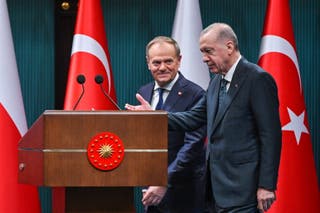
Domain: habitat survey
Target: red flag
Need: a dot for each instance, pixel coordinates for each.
(14, 197)
(297, 184)
(90, 57)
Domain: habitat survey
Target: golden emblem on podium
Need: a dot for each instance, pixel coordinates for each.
(105, 151)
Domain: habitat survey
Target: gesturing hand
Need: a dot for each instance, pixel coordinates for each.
(144, 104)
(265, 199)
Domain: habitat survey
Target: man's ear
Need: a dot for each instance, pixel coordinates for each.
(179, 58)
(147, 61)
(230, 46)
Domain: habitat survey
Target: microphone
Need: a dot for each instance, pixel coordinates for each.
(80, 79)
(99, 80)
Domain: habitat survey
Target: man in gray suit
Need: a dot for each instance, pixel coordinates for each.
(241, 111)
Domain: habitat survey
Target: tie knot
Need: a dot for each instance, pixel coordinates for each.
(224, 82)
(160, 91)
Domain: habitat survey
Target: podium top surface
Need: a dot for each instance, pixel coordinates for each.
(103, 112)
(73, 129)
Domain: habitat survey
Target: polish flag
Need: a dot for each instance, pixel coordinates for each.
(14, 197)
(186, 31)
(297, 184)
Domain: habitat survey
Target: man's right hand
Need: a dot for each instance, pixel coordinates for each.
(144, 104)
(265, 199)
(153, 195)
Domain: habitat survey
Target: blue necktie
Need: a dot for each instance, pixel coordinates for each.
(160, 102)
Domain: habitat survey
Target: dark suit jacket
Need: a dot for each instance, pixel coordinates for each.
(186, 152)
(244, 137)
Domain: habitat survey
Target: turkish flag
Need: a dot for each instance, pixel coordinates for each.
(14, 197)
(90, 57)
(297, 184)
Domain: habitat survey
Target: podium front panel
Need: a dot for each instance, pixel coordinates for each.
(54, 151)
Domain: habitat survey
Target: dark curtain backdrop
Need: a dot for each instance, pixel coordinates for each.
(43, 54)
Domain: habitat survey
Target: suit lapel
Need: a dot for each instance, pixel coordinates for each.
(175, 93)
(147, 92)
(237, 81)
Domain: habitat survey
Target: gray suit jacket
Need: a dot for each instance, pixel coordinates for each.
(244, 137)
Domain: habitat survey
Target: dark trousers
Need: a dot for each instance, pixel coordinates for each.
(209, 199)
(250, 208)
(212, 207)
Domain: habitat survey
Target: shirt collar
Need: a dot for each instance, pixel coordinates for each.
(230, 72)
(169, 86)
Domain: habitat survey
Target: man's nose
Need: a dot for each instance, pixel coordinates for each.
(205, 58)
(163, 66)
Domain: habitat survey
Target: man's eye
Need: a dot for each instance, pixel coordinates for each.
(208, 51)
(156, 63)
(168, 62)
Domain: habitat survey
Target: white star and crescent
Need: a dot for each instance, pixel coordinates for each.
(296, 125)
(272, 43)
(84, 43)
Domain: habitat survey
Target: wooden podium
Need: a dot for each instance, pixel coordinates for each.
(53, 153)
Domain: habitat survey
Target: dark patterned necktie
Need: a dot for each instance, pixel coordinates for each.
(222, 92)
(160, 102)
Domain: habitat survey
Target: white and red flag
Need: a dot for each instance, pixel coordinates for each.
(298, 189)
(14, 197)
(90, 57)
(186, 31)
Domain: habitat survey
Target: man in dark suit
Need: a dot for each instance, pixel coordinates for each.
(244, 133)
(186, 151)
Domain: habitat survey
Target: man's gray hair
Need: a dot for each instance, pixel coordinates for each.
(163, 39)
(223, 32)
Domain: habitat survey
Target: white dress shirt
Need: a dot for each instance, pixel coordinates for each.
(167, 89)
